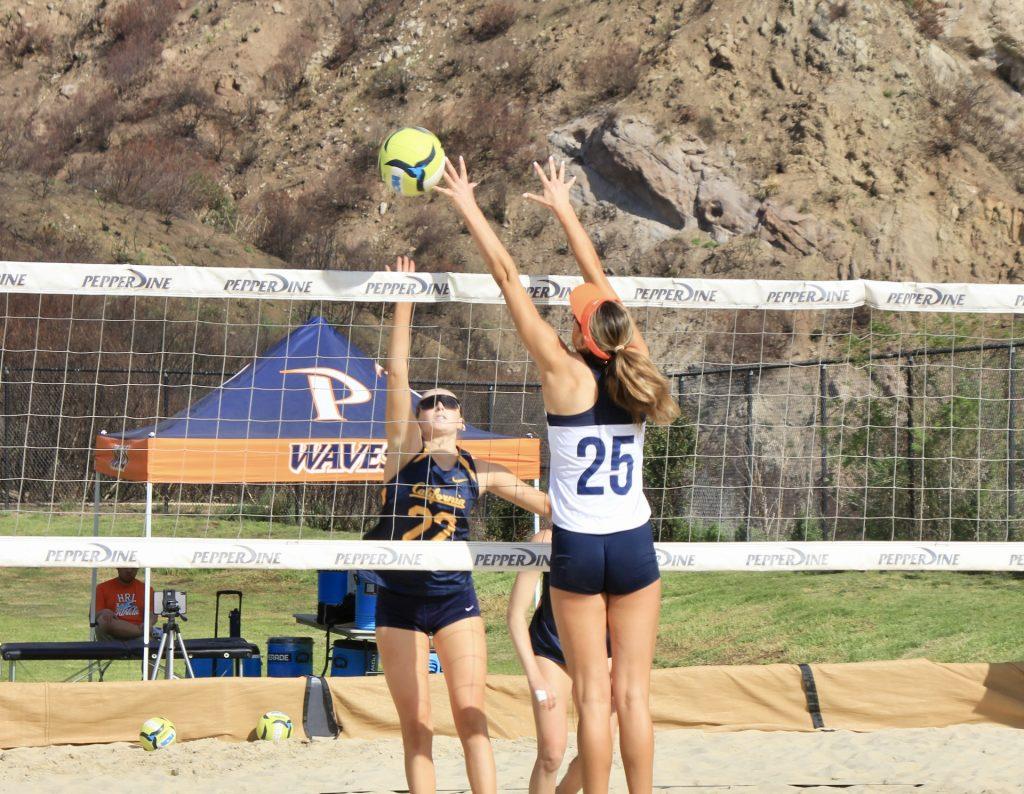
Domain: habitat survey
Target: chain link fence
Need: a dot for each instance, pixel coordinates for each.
(915, 445)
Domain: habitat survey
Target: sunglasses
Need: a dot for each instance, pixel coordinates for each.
(446, 400)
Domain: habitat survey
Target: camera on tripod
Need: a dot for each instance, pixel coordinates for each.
(169, 603)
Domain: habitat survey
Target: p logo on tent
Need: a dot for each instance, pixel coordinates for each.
(321, 388)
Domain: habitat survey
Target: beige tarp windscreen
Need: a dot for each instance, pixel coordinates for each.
(865, 696)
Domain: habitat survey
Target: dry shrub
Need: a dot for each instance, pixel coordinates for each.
(837, 11)
(283, 224)
(363, 254)
(614, 72)
(349, 185)
(136, 28)
(707, 127)
(345, 47)
(148, 19)
(391, 81)
(487, 129)
(968, 112)
(14, 141)
(927, 16)
(286, 76)
(247, 154)
(188, 105)
(511, 67)
(249, 118)
(493, 20)
(153, 173)
(84, 122)
(47, 243)
(433, 230)
(26, 40)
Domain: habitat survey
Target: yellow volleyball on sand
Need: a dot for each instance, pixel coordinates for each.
(157, 733)
(411, 161)
(274, 726)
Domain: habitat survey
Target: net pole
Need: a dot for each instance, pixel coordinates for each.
(748, 387)
(823, 442)
(1011, 448)
(145, 587)
(92, 587)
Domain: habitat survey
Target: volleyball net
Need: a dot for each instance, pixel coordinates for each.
(210, 417)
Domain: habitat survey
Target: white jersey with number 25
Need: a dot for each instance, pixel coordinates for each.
(596, 475)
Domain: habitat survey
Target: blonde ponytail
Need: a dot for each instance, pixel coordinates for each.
(635, 384)
(633, 381)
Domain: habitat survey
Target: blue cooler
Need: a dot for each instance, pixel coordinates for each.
(288, 657)
(354, 657)
(331, 586)
(366, 604)
(434, 663)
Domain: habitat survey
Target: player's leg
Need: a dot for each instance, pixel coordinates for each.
(404, 654)
(582, 628)
(552, 725)
(634, 605)
(462, 648)
(572, 780)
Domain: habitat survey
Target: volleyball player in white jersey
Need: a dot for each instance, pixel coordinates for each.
(598, 395)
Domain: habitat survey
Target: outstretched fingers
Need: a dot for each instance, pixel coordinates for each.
(540, 173)
(537, 199)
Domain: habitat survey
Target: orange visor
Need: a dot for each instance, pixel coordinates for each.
(584, 301)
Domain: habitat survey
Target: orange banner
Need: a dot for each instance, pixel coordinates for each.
(212, 460)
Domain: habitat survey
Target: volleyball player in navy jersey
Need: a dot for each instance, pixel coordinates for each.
(430, 487)
(598, 395)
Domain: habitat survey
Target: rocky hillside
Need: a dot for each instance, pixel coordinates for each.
(719, 138)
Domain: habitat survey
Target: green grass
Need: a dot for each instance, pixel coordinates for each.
(707, 618)
(130, 522)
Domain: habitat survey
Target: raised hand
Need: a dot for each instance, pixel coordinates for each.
(403, 264)
(556, 189)
(460, 189)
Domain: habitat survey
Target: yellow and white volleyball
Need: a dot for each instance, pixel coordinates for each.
(157, 733)
(274, 726)
(411, 161)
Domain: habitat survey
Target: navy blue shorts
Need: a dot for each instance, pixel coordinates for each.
(544, 641)
(428, 614)
(618, 563)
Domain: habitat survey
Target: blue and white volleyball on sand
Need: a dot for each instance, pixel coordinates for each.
(274, 726)
(157, 733)
(411, 161)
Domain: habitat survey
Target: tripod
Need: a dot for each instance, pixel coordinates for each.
(171, 636)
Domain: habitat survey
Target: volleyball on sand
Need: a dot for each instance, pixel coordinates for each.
(411, 161)
(274, 726)
(157, 733)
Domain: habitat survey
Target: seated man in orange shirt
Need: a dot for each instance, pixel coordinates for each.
(119, 605)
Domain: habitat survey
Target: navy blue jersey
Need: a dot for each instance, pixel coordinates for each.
(426, 502)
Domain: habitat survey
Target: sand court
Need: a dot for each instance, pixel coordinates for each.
(956, 760)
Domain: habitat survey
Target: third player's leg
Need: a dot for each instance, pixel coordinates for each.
(552, 726)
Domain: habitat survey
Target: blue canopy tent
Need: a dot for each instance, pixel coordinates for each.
(309, 409)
